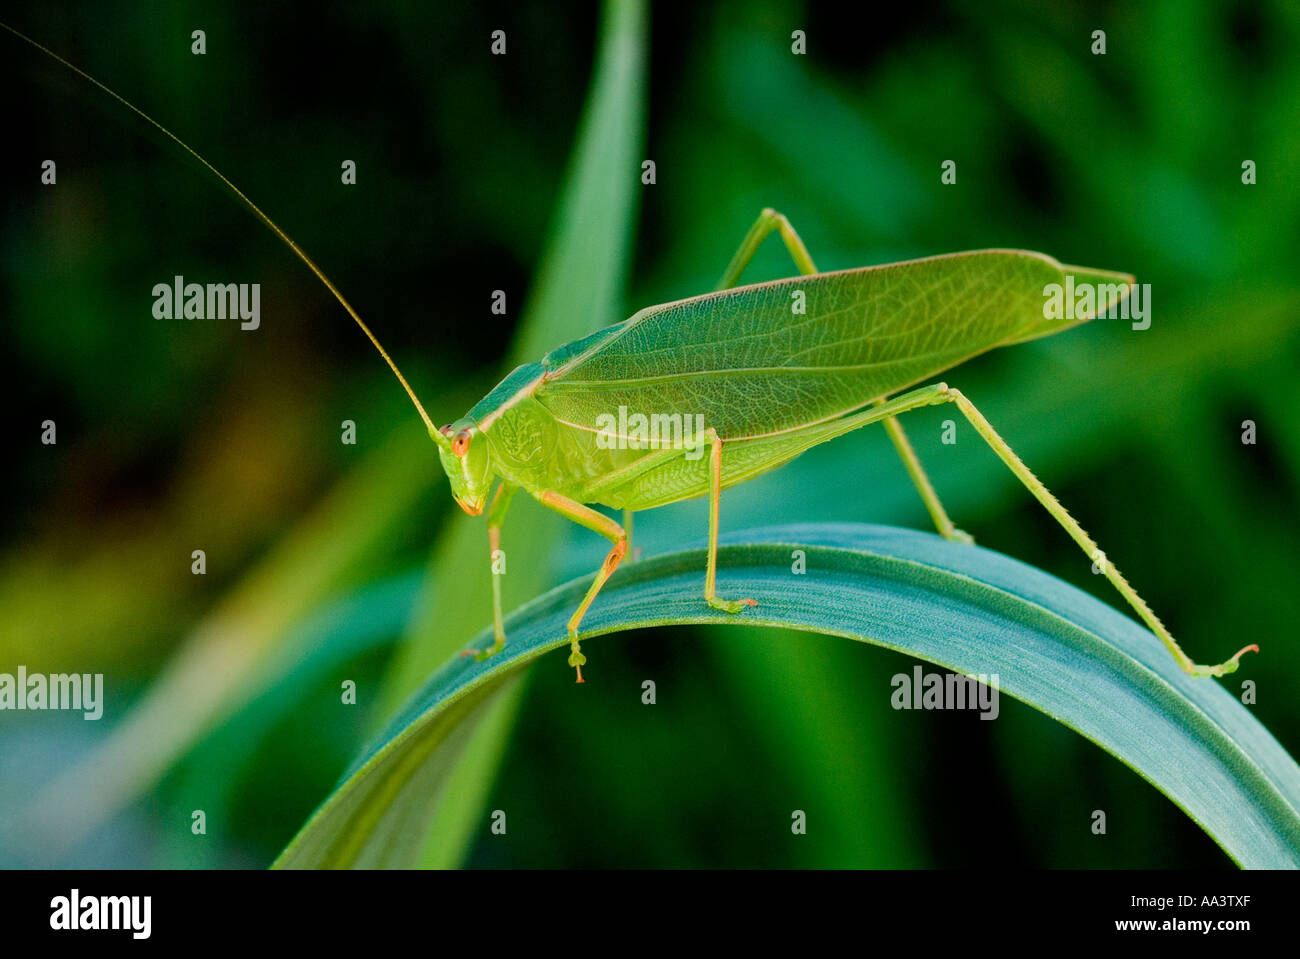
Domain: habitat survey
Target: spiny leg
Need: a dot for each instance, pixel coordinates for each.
(496, 515)
(606, 527)
(770, 220)
(1086, 543)
(715, 496)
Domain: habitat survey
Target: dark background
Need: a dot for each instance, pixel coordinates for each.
(175, 435)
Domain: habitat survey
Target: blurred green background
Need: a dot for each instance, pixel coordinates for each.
(176, 435)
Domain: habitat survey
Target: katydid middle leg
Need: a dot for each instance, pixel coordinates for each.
(770, 220)
(633, 552)
(715, 498)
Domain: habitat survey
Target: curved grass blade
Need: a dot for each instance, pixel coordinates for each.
(965, 608)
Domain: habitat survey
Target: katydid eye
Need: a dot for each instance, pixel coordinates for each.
(460, 445)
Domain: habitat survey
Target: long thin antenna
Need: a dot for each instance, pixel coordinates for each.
(257, 211)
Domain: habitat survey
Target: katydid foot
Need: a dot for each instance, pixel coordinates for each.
(730, 605)
(1223, 669)
(481, 654)
(576, 659)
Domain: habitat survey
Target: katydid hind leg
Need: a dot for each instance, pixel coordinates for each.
(606, 527)
(1086, 542)
(715, 497)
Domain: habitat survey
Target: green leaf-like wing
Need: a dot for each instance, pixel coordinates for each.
(752, 364)
(974, 611)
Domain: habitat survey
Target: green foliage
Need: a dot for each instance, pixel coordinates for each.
(172, 437)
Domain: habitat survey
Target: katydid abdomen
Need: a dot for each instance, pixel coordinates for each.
(533, 450)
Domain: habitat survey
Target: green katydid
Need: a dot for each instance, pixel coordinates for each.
(766, 379)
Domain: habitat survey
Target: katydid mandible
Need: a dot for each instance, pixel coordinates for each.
(767, 382)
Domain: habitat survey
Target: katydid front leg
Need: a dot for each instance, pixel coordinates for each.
(606, 527)
(770, 220)
(496, 515)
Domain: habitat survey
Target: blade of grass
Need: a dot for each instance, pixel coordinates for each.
(964, 608)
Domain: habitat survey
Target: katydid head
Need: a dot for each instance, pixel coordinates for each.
(467, 462)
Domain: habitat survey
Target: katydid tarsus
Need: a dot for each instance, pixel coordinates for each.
(770, 370)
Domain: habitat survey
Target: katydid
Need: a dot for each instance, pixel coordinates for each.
(769, 370)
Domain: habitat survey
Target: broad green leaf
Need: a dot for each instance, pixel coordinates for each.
(579, 287)
(964, 608)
